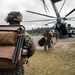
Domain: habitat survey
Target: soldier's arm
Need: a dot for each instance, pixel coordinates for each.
(31, 45)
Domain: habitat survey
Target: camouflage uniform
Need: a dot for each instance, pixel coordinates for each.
(16, 71)
(15, 18)
(48, 37)
(56, 35)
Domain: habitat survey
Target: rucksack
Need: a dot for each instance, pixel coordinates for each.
(11, 45)
(42, 41)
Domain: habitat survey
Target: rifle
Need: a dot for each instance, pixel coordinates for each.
(18, 45)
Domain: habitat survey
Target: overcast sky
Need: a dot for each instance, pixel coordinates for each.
(7, 6)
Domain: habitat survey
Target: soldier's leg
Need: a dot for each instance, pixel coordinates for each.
(52, 43)
(19, 70)
(57, 39)
(49, 45)
(7, 72)
(45, 47)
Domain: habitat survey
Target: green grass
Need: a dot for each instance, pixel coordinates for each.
(54, 62)
(72, 45)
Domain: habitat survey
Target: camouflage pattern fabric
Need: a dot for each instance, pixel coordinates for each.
(31, 45)
(47, 35)
(48, 43)
(16, 71)
(14, 16)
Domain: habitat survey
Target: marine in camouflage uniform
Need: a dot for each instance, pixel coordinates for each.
(56, 34)
(47, 35)
(15, 18)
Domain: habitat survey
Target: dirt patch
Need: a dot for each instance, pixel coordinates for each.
(63, 43)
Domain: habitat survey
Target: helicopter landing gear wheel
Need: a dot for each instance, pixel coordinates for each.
(70, 35)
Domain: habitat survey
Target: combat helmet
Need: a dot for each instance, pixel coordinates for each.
(14, 16)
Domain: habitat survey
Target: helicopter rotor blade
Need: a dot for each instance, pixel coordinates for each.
(71, 20)
(70, 12)
(49, 23)
(40, 14)
(62, 6)
(40, 20)
(45, 6)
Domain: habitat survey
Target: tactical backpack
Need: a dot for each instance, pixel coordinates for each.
(11, 45)
(42, 41)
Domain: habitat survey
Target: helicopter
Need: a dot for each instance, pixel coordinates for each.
(59, 23)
